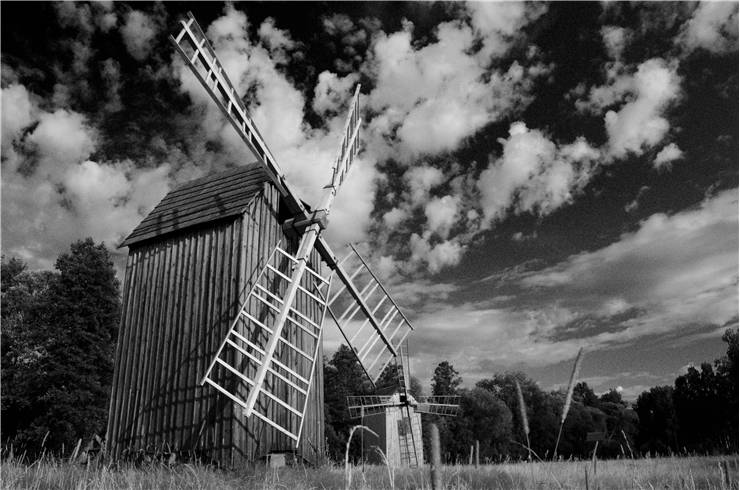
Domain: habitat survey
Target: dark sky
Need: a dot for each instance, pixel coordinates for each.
(534, 178)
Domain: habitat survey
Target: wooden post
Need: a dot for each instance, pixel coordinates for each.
(470, 458)
(436, 466)
(477, 453)
(585, 472)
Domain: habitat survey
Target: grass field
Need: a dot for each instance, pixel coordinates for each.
(663, 473)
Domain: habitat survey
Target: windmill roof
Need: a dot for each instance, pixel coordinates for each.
(200, 201)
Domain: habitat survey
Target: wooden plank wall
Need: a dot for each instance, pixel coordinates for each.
(180, 294)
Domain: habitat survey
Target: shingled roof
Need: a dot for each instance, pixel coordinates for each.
(201, 201)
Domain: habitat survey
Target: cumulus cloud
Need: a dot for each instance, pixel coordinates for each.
(138, 32)
(712, 26)
(442, 214)
(615, 39)
(533, 174)
(17, 112)
(53, 194)
(429, 98)
(640, 123)
(438, 256)
(667, 156)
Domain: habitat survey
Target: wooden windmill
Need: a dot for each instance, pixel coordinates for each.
(227, 285)
(396, 418)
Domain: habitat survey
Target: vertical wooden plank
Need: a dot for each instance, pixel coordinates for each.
(184, 352)
(152, 355)
(193, 395)
(114, 412)
(136, 365)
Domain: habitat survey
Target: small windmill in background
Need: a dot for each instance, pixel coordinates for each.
(396, 416)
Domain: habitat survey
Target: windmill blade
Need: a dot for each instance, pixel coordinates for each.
(370, 320)
(409, 437)
(286, 354)
(368, 405)
(200, 57)
(439, 405)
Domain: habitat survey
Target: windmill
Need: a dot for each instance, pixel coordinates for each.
(399, 432)
(267, 359)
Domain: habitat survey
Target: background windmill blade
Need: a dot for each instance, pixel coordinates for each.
(368, 404)
(439, 405)
(370, 320)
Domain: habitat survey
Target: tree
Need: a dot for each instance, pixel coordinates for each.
(446, 379)
(343, 377)
(611, 396)
(72, 329)
(657, 421)
(543, 411)
(483, 417)
(699, 409)
(583, 393)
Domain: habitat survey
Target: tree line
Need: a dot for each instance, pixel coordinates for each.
(59, 330)
(698, 414)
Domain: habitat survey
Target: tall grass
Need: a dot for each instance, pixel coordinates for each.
(568, 397)
(523, 415)
(690, 473)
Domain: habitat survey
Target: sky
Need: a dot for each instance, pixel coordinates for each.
(534, 177)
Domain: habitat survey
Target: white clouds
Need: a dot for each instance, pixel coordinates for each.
(615, 39)
(442, 214)
(420, 180)
(640, 123)
(138, 33)
(679, 269)
(431, 97)
(499, 22)
(17, 112)
(533, 174)
(667, 156)
(713, 26)
(333, 92)
(437, 257)
(60, 195)
(62, 137)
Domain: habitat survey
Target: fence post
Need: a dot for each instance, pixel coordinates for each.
(436, 465)
(477, 453)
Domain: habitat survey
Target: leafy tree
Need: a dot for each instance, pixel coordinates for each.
(658, 426)
(446, 379)
(483, 417)
(583, 393)
(698, 407)
(543, 411)
(343, 377)
(72, 326)
(611, 396)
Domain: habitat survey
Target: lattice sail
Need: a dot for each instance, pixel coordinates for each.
(282, 397)
(367, 341)
(439, 405)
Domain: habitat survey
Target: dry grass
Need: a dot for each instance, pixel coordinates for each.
(672, 473)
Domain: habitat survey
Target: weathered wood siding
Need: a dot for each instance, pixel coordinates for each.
(181, 291)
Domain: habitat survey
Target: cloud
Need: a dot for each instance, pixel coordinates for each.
(53, 194)
(17, 113)
(670, 276)
(667, 156)
(679, 270)
(713, 26)
(639, 123)
(442, 214)
(427, 99)
(333, 92)
(533, 174)
(615, 38)
(138, 33)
